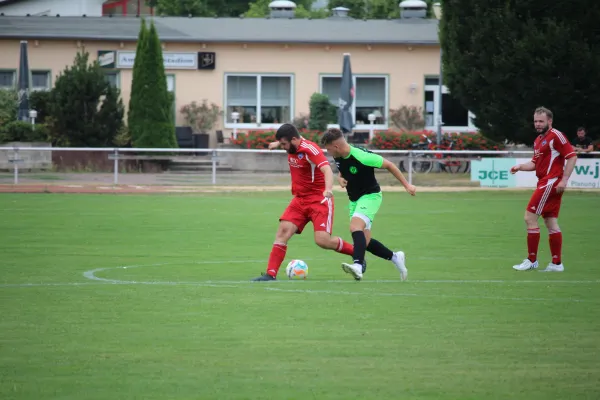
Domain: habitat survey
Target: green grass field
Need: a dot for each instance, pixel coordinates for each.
(183, 322)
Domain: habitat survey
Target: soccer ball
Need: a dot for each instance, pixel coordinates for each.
(297, 269)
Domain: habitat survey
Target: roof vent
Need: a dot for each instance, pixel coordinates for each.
(413, 9)
(340, 12)
(282, 9)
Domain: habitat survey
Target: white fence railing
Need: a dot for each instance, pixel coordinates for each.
(414, 158)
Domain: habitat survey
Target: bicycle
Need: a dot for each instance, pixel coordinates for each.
(419, 165)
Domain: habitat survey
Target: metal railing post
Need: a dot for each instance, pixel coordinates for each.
(410, 167)
(16, 163)
(116, 167)
(214, 167)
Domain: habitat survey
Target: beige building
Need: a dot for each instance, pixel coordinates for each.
(265, 69)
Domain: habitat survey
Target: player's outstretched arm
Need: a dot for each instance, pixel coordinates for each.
(328, 174)
(528, 166)
(273, 145)
(391, 167)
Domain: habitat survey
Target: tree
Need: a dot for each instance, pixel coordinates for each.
(503, 62)
(373, 9)
(111, 112)
(260, 9)
(200, 8)
(152, 123)
(322, 112)
(9, 104)
(75, 106)
(137, 71)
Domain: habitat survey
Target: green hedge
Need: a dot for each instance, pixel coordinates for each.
(20, 131)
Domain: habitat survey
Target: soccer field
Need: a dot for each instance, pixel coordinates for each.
(148, 297)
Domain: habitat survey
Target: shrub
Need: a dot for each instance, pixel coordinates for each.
(322, 112)
(301, 121)
(202, 118)
(21, 131)
(410, 118)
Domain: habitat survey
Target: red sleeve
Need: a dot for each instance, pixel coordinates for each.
(562, 145)
(315, 155)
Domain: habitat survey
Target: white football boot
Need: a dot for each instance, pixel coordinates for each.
(354, 269)
(554, 268)
(526, 265)
(399, 260)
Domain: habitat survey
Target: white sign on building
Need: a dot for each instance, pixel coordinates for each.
(125, 59)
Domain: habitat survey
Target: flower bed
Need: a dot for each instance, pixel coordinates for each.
(257, 139)
(385, 140)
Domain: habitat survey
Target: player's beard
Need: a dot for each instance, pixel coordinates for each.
(292, 150)
(543, 129)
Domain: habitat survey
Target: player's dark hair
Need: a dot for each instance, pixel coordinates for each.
(581, 128)
(287, 131)
(544, 110)
(331, 135)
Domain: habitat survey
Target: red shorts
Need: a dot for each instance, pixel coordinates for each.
(545, 201)
(301, 210)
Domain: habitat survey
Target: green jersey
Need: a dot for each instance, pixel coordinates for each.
(359, 170)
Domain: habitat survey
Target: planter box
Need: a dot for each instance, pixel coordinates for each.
(32, 159)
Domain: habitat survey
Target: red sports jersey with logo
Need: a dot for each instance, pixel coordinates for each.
(305, 164)
(550, 152)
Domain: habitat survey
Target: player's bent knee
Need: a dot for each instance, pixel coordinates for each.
(358, 223)
(325, 241)
(530, 217)
(285, 231)
(551, 223)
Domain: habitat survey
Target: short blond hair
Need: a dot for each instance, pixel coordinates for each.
(544, 110)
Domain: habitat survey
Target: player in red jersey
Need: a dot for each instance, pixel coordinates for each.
(550, 150)
(312, 185)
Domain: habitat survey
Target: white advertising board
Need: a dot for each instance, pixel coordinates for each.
(586, 174)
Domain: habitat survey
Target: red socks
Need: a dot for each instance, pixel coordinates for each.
(533, 241)
(555, 238)
(279, 249)
(276, 258)
(344, 247)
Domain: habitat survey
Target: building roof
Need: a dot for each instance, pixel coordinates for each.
(248, 30)
(7, 2)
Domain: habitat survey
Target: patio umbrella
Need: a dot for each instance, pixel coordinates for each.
(346, 99)
(23, 84)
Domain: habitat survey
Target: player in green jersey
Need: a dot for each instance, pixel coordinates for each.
(357, 174)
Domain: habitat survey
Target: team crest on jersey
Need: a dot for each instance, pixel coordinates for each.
(353, 170)
(544, 143)
(300, 156)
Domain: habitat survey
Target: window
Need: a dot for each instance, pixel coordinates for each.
(259, 99)
(171, 90)
(371, 97)
(40, 80)
(113, 78)
(8, 79)
(454, 116)
(171, 83)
